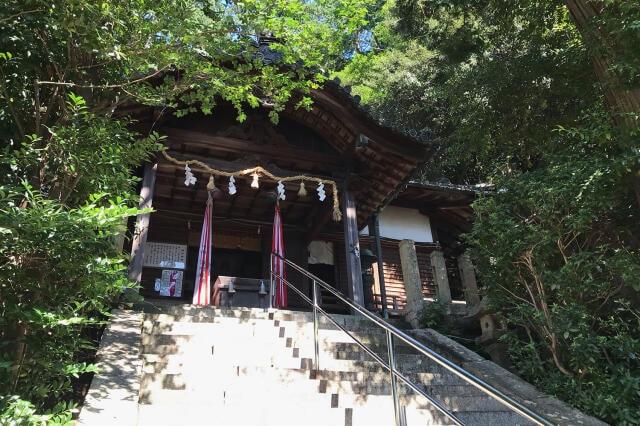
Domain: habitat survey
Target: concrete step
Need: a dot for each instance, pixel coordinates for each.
(426, 379)
(339, 380)
(455, 403)
(196, 380)
(228, 394)
(168, 321)
(237, 391)
(202, 357)
(202, 314)
(282, 329)
(178, 363)
(181, 343)
(279, 414)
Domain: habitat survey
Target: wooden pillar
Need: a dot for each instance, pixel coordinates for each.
(468, 278)
(440, 276)
(142, 222)
(412, 282)
(374, 226)
(352, 248)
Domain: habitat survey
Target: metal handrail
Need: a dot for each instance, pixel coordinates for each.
(392, 332)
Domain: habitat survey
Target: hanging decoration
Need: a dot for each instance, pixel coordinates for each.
(189, 178)
(302, 192)
(232, 185)
(211, 186)
(321, 194)
(280, 188)
(255, 184)
(256, 173)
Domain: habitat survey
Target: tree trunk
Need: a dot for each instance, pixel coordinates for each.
(603, 46)
(624, 103)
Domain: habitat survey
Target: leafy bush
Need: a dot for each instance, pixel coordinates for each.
(558, 252)
(433, 315)
(510, 95)
(17, 412)
(60, 269)
(60, 274)
(69, 72)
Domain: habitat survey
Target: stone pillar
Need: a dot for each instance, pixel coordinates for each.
(412, 283)
(440, 276)
(469, 284)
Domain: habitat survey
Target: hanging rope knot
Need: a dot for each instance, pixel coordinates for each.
(256, 172)
(211, 185)
(337, 214)
(302, 192)
(255, 183)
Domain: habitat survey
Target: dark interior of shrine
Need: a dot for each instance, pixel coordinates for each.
(241, 222)
(333, 140)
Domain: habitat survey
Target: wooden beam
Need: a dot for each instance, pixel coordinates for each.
(451, 221)
(197, 218)
(229, 166)
(226, 144)
(352, 247)
(383, 137)
(142, 223)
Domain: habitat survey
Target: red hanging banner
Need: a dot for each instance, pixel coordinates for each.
(277, 265)
(202, 290)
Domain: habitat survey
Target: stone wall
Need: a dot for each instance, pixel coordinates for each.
(503, 380)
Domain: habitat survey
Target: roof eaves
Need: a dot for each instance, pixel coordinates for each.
(481, 188)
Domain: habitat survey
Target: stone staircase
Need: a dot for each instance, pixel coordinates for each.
(204, 365)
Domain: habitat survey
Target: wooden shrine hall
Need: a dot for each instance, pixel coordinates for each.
(335, 141)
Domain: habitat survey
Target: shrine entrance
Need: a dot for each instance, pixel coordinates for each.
(334, 142)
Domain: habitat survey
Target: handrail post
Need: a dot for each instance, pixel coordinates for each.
(391, 333)
(315, 327)
(394, 382)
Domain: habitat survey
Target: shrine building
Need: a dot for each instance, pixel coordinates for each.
(388, 222)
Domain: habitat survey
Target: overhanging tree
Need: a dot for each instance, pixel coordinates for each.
(508, 92)
(67, 155)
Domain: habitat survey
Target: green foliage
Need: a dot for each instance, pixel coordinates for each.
(557, 248)
(485, 84)
(433, 315)
(70, 72)
(507, 94)
(186, 55)
(17, 412)
(60, 273)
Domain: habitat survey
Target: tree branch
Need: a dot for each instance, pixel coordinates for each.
(104, 86)
(24, 12)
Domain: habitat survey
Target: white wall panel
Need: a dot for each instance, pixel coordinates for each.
(401, 223)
